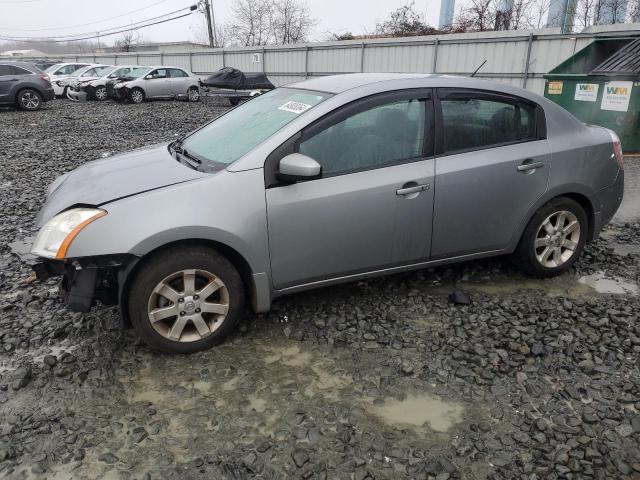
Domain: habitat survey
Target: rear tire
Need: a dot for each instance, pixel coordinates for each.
(553, 239)
(29, 100)
(168, 288)
(136, 95)
(193, 95)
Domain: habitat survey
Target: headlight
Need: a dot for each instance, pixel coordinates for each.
(55, 237)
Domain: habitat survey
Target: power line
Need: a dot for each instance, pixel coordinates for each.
(58, 40)
(82, 24)
(104, 32)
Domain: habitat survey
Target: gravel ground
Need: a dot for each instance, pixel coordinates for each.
(387, 378)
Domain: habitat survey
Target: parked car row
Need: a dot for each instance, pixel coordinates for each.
(134, 83)
(26, 86)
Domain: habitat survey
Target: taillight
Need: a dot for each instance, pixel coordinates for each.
(45, 78)
(617, 149)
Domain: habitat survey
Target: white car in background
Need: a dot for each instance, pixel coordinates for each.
(92, 71)
(159, 82)
(63, 70)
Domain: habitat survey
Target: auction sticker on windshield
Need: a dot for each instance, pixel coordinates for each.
(295, 107)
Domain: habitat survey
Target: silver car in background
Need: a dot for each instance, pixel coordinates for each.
(159, 82)
(325, 181)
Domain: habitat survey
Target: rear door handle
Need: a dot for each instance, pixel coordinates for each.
(415, 189)
(529, 165)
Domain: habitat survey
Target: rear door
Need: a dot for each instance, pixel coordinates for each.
(179, 81)
(372, 207)
(492, 164)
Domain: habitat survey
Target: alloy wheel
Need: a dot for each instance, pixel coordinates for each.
(101, 93)
(137, 96)
(188, 305)
(194, 95)
(557, 239)
(30, 100)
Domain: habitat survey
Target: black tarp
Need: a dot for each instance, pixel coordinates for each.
(235, 79)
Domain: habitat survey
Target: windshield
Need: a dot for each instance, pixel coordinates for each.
(80, 71)
(52, 68)
(234, 134)
(129, 72)
(103, 70)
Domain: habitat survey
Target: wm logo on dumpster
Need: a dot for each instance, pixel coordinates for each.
(617, 91)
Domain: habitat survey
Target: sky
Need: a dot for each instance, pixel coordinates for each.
(64, 17)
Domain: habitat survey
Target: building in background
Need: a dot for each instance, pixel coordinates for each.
(447, 8)
(609, 12)
(562, 14)
(164, 47)
(30, 53)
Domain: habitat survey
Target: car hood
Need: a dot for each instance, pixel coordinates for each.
(103, 181)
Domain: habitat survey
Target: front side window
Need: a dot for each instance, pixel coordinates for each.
(475, 123)
(159, 73)
(380, 136)
(234, 134)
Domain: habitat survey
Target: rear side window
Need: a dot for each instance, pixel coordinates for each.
(177, 73)
(474, 123)
(21, 71)
(5, 70)
(380, 136)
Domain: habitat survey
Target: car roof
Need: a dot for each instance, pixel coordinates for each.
(18, 63)
(342, 83)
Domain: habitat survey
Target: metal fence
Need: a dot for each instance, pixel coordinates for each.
(519, 58)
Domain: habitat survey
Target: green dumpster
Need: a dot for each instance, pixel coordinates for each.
(600, 85)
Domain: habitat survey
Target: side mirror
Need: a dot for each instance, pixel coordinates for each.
(296, 167)
(148, 77)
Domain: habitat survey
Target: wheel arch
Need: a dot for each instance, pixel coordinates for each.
(236, 258)
(578, 193)
(22, 88)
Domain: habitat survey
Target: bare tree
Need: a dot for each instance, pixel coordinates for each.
(478, 16)
(200, 33)
(291, 21)
(404, 22)
(610, 12)
(540, 12)
(128, 41)
(251, 23)
(333, 37)
(634, 11)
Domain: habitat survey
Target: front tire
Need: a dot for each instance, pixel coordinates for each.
(100, 94)
(186, 299)
(136, 95)
(553, 239)
(29, 99)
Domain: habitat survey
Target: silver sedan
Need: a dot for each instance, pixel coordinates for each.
(325, 181)
(159, 82)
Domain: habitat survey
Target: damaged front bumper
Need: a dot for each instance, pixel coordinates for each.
(85, 280)
(77, 93)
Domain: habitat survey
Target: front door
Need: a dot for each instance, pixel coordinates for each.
(372, 207)
(492, 165)
(158, 85)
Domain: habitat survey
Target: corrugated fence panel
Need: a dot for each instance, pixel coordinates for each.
(501, 57)
(284, 61)
(149, 59)
(176, 61)
(86, 58)
(335, 60)
(279, 80)
(206, 62)
(243, 61)
(401, 58)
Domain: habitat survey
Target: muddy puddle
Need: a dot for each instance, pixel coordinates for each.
(420, 411)
(602, 283)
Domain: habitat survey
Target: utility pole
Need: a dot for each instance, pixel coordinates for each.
(207, 11)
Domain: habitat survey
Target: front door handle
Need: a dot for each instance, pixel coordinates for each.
(414, 189)
(529, 165)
